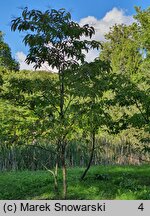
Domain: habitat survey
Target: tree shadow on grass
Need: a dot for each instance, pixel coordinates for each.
(119, 183)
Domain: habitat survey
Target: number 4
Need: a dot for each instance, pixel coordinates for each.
(141, 207)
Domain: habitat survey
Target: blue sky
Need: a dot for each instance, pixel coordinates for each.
(103, 13)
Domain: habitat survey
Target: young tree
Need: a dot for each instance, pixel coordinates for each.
(54, 38)
(93, 112)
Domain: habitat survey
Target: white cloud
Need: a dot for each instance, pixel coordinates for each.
(21, 57)
(102, 26)
(91, 55)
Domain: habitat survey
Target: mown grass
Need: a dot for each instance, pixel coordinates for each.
(102, 182)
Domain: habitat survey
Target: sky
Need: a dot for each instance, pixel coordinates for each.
(102, 14)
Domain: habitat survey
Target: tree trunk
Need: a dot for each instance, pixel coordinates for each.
(55, 177)
(91, 157)
(56, 168)
(62, 142)
(64, 171)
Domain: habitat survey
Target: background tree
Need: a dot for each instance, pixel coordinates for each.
(122, 49)
(6, 59)
(128, 52)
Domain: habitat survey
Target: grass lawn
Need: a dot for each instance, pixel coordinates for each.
(101, 182)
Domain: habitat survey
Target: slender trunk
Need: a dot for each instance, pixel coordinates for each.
(56, 176)
(62, 142)
(64, 171)
(91, 157)
(56, 167)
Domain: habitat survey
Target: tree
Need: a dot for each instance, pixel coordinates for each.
(127, 49)
(91, 91)
(143, 19)
(122, 49)
(55, 39)
(6, 59)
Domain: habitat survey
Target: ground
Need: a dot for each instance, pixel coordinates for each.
(102, 182)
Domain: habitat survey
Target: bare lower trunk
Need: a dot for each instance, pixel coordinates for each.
(55, 177)
(64, 172)
(56, 167)
(62, 143)
(64, 181)
(91, 157)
